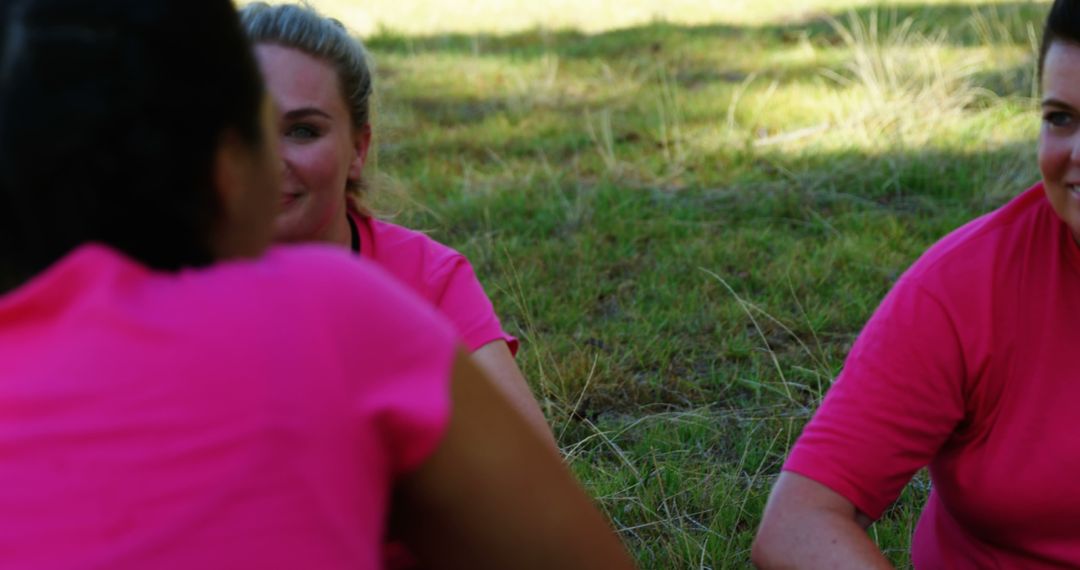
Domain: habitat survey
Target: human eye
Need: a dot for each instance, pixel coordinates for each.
(302, 132)
(1058, 119)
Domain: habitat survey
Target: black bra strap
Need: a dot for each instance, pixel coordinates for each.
(355, 234)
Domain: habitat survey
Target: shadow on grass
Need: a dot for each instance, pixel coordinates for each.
(980, 177)
(486, 134)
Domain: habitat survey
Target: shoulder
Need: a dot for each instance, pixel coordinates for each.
(977, 249)
(313, 284)
(337, 277)
(948, 305)
(953, 294)
(415, 258)
(302, 271)
(312, 263)
(440, 275)
(392, 240)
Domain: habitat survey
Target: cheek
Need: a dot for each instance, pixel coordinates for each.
(1053, 155)
(316, 166)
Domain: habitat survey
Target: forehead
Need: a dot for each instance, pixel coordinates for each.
(298, 80)
(1061, 71)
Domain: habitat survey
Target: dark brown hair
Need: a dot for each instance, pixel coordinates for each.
(110, 115)
(1062, 24)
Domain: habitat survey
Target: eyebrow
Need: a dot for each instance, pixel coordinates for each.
(305, 112)
(1051, 102)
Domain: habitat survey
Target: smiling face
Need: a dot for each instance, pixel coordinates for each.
(320, 148)
(1059, 140)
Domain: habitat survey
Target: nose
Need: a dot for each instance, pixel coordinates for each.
(286, 163)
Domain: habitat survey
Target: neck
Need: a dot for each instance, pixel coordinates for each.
(339, 232)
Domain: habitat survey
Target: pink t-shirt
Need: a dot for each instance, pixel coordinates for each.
(438, 274)
(228, 417)
(968, 366)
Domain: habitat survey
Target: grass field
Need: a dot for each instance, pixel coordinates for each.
(687, 210)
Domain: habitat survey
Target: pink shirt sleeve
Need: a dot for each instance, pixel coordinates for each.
(410, 348)
(460, 296)
(896, 403)
(439, 274)
(412, 408)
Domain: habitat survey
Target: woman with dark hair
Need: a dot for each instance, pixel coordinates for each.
(968, 367)
(172, 394)
(320, 77)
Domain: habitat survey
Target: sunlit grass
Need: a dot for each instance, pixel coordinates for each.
(424, 17)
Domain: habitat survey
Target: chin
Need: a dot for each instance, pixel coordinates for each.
(289, 225)
(1074, 229)
(285, 232)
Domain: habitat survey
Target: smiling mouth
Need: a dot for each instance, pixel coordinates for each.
(1073, 189)
(288, 198)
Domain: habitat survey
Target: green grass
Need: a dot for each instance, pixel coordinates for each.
(688, 221)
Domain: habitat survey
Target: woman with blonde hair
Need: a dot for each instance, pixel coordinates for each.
(321, 80)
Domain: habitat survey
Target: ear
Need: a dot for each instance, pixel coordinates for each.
(229, 176)
(361, 139)
(241, 206)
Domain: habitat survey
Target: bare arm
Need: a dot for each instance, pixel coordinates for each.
(498, 363)
(495, 495)
(808, 525)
